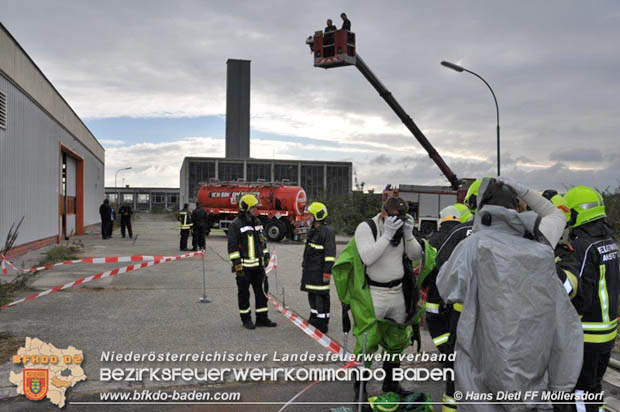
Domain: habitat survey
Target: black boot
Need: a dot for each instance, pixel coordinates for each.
(389, 384)
(356, 396)
(264, 321)
(246, 318)
(322, 325)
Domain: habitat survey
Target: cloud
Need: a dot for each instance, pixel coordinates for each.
(553, 68)
(577, 155)
(111, 142)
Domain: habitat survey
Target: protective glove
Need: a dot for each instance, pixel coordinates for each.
(416, 338)
(408, 228)
(266, 285)
(391, 226)
(518, 187)
(346, 322)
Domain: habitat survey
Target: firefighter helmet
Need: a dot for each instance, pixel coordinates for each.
(247, 202)
(471, 198)
(559, 202)
(585, 204)
(457, 212)
(318, 210)
(464, 212)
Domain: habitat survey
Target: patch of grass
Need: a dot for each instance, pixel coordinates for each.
(54, 255)
(60, 253)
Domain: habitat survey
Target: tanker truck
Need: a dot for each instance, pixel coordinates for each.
(281, 208)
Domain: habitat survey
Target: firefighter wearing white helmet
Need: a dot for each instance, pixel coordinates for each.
(319, 257)
(247, 250)
(454, 225)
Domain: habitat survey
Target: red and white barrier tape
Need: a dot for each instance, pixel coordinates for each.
(273, 263)
(103, 275)
(315, 334)
(91, 260)
(324, 340)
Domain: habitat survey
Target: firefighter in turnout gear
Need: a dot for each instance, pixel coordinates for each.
(564, 256)
(596, 268)
(319, 257)
(185, 218)
(247, 250)
(455, 225)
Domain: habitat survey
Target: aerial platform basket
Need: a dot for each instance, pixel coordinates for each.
(333, 49)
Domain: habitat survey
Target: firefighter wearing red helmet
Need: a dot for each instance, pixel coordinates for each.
(247, 250)
(319, 257)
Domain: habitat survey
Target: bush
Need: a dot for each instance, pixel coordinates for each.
(346, 212)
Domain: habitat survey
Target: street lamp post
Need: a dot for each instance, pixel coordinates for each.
(459, 69)
(116, 174)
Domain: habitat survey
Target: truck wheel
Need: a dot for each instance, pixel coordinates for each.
(275, 230)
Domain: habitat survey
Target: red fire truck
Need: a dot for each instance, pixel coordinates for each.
(281, 208)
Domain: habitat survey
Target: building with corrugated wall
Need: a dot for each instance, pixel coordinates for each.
(51, 165)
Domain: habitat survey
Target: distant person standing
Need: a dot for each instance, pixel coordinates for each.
(125, 211)
(199, 220)
(111, 224)
(346, 23)
(185, 219)
(106, 215)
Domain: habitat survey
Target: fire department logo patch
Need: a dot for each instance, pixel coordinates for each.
(36, 383)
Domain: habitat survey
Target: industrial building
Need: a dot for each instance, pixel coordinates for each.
(318, 178)
(144, 199)
(51, 165)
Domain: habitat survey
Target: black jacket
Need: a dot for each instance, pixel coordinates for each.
(247, 245)
(105, 212)
(596, 268)
(319, 258)
(125, 211)
(199, 218)
(444, 241)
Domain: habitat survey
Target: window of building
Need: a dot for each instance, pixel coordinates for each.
(144, 198)
(338, 180)
(112, 197)
(159, 197)
(3, 111)
(128, 197)
(199, 172)
(259, 171)
(286, 172)
(312, 180)
(172, 198)
(230, 171)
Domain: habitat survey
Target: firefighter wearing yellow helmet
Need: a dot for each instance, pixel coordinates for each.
(319, 257)
(596, 268)
(564, 252)
(247, 250)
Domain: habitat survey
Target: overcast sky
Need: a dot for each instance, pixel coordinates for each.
(149, 79)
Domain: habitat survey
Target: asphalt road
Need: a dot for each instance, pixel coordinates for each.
(157, 309)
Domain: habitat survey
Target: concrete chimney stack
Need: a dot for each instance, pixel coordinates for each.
(238, 109)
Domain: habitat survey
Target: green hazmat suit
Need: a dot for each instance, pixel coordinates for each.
(349, 277)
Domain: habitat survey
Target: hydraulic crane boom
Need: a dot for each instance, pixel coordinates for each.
(336, 49)
(407, 120)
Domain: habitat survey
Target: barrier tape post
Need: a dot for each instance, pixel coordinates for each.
(361, 389)
(275, 269)
(204, 298)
